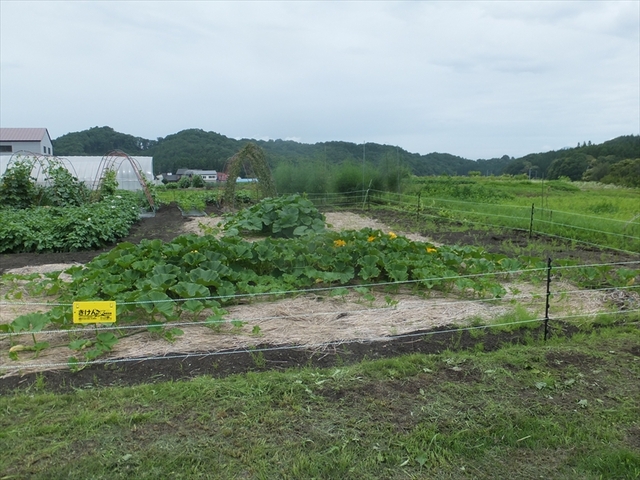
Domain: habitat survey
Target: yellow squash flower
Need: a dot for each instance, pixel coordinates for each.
(371, 238)
(392, 235)
(431, 250)
(339, 243)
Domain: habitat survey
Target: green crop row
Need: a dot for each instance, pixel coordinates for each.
(60, 229)
(197, 199)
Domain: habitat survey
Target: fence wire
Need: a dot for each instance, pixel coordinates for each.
(409, 204)
(262, 319)
(314, 346)
(502, 273)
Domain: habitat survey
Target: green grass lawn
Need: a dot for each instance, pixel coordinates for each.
(566, 409)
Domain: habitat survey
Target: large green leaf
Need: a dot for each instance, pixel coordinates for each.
(157, 302)
(32, 322)
(190, 290)
(193, 306)
(193, 258)
(162, 281)
(143, 265)
(166, 270)
(106, 339)
(368, 272)
(204, 277)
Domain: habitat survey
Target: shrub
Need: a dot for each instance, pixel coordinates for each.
(17, 188)
(197, 181)
(184, 182)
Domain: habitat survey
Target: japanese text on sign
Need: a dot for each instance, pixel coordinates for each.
(94, 312)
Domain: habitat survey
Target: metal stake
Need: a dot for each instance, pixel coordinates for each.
(546, 309)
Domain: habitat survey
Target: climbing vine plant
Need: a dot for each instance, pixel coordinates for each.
(252, 158)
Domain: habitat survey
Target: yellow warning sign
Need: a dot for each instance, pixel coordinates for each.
(94, 312)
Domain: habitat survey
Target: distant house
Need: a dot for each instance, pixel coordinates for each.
(32, 140)
(208, 176)
(168, 177)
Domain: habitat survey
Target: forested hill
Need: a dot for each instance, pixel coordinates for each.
(196, 148)
(587, 161)
(99, 141)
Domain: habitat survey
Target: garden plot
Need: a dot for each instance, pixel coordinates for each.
(317, 319)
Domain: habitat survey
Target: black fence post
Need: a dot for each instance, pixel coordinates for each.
(418, 207)
(546, 309)
(531, 222)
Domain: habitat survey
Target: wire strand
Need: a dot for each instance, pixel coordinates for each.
(253, 350)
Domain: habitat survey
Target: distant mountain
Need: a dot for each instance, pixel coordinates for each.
(195, 148)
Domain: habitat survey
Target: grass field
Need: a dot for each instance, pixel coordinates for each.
(564, 410)
(586, 198)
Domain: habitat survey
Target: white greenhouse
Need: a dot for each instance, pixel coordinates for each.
(89, 169)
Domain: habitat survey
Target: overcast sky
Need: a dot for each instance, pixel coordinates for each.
(475, 79)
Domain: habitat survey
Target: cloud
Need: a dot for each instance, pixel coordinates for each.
(477, 79)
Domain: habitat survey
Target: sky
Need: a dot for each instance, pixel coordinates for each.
(474, 79)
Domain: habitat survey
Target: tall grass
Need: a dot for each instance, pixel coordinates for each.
(311, 177)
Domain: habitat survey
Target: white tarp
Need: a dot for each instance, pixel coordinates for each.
(85, 168)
